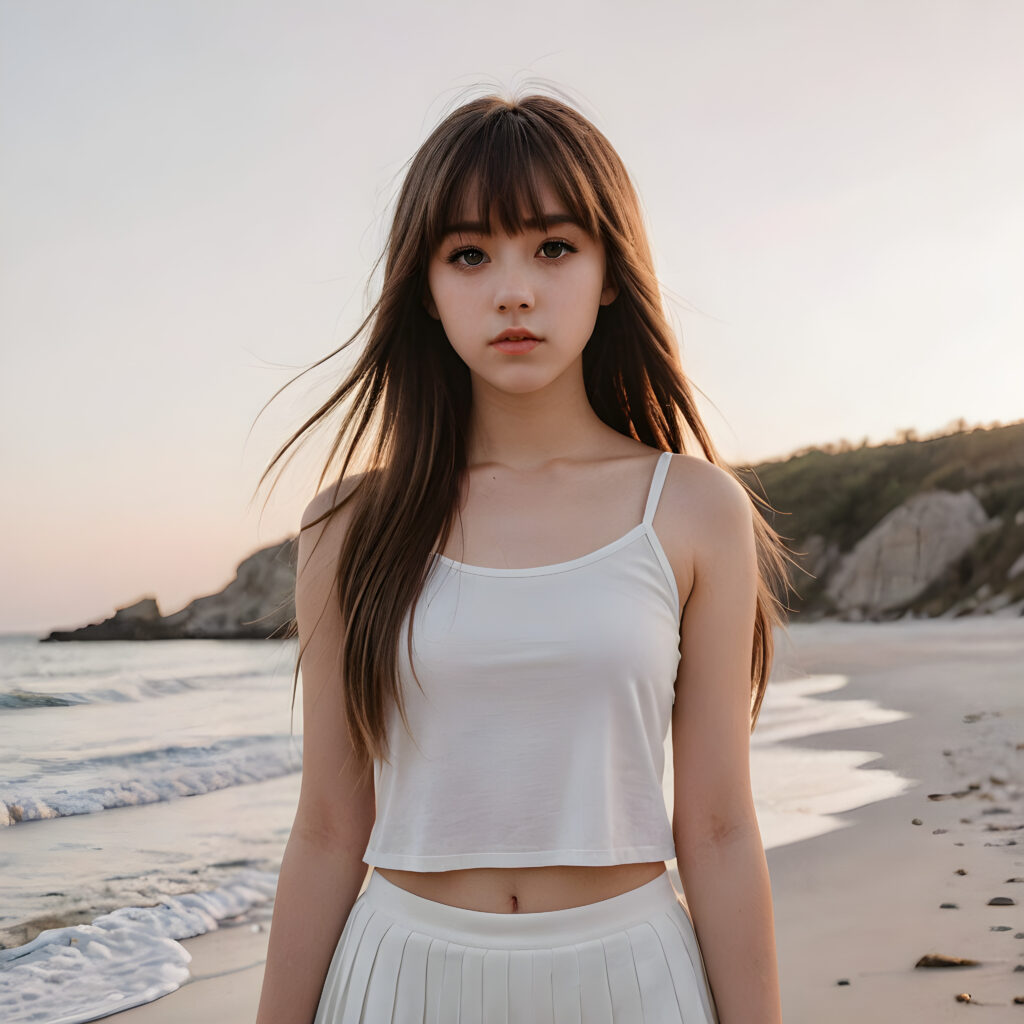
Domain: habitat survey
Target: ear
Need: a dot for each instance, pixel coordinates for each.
(609, 292)
(428, 304)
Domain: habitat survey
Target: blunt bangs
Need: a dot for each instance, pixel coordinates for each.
(503, 157)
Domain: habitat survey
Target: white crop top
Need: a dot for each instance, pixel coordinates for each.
(540, 731)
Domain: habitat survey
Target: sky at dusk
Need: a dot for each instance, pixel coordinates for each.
(192, 195)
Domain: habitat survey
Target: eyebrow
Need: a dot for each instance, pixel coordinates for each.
(475, 227)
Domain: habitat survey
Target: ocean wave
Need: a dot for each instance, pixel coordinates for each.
(21, 698)
(17, 700)
(125, 958)
(146, 776)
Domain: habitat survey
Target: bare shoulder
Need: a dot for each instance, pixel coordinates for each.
(703, 508)
(324, 522)
(330, 497)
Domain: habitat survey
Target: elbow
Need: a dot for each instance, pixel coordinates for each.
(343, 828)
(706, 833)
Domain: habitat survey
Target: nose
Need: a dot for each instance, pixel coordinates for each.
(514, 292)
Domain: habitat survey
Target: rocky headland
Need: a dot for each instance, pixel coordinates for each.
(258, 604)
(918, 528)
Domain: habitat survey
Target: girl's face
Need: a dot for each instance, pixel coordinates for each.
(547, 283)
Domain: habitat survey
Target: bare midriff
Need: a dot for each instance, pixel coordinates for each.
(525, 890)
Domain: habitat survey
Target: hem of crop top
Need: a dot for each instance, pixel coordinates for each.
(520, 859)
(640, 530)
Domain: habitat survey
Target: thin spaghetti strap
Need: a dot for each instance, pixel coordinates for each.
(657, 482)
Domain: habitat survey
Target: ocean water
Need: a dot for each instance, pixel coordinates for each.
(147, 791)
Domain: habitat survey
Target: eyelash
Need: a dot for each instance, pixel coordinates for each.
(453, 258)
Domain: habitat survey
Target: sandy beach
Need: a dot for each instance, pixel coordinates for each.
(860, 904)
(864, 903)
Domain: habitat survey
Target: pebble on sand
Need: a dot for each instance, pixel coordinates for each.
(941, 960)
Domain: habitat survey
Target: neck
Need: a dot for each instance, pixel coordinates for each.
(528, 430)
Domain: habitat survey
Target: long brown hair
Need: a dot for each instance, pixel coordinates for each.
(408, 395)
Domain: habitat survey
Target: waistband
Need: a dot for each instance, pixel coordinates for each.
(543, 928)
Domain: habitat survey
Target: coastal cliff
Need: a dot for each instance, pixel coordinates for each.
(923, 528)
(257, 604)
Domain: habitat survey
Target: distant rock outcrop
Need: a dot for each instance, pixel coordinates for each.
(909, 549)
(256, 605)
(923, 527)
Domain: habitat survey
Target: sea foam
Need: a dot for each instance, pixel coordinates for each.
(125, 958)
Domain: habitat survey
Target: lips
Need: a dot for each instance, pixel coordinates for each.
(515, 334)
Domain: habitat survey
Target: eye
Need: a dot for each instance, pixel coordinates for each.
(564, 245)
(468, 251)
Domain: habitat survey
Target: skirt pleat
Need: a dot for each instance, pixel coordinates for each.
(565, 985)
(450, 1003)
(377, 927)
(543, 992)
(388, 968)
(381, 990)
(411, 982)
(495, 994)
(435, 973)
(520, 986)
(685, 961)
(595, 994)
(657, 990)
(471, 1005)
(622, 978)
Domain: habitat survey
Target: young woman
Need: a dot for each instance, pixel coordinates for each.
(485, 708)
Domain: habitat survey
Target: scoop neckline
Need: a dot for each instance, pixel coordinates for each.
(538, 570)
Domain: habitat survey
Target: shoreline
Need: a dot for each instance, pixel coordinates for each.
(226, 973)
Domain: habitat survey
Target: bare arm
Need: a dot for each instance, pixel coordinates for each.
(323, 869)
(719, 850)
(315, 891)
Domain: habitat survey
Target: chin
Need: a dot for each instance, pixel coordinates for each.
(512, 383)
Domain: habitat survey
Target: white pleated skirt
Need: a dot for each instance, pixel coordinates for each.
(631, 959)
